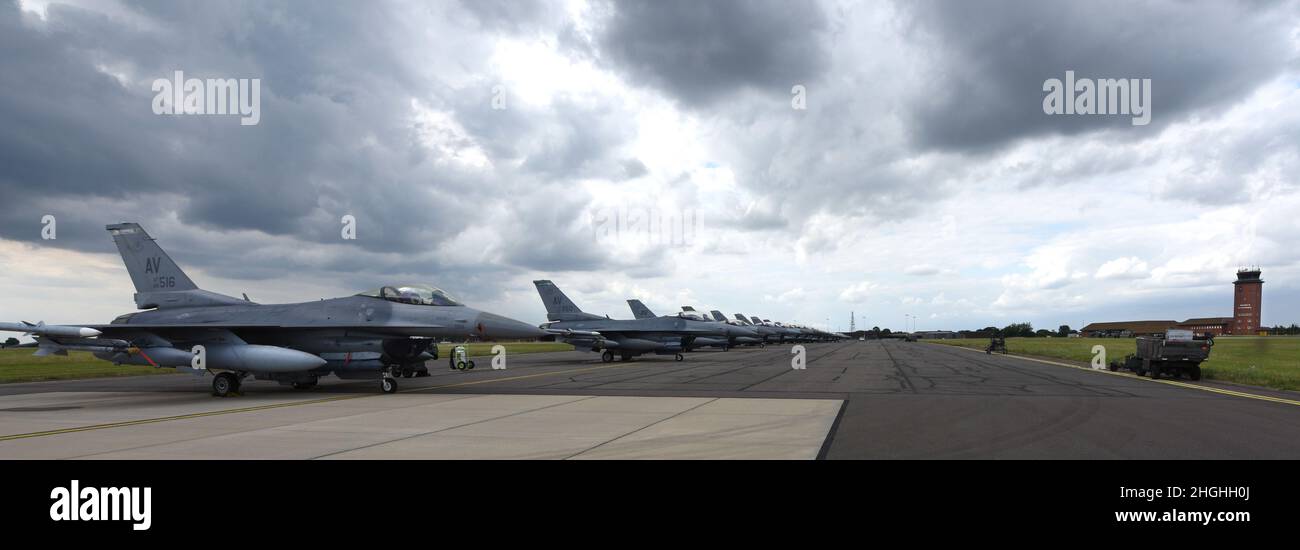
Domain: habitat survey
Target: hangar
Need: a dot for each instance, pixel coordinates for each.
(1126, 329)
(1215, 326)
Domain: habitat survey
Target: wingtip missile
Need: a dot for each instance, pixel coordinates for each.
(42, 329)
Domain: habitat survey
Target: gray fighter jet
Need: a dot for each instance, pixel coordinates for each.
(786, 334)
(736, 335)
(753, 334)
(770, 335)
(626, 337)
(640, 311)
(380, 334)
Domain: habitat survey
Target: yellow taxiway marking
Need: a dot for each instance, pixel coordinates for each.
(291, 404)
(1161, 381)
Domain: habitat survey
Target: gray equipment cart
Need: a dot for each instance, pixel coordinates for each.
(996, 344)
(1175, 353)
(459, 358)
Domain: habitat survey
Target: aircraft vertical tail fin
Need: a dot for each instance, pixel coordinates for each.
(756, 320)
(718, 316)
(158, 281)
(639, 310)
(558, 306)
(151, 269)
(741, 317)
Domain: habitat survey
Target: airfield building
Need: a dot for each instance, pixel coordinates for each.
(1214, 326)
(937, 334)
(1248, 297)
(1126, 329)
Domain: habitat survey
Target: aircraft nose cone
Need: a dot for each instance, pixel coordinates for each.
(493, 326)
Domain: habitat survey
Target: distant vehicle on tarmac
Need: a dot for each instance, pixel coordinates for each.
(996, 344)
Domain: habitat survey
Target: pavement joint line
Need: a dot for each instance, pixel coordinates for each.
(456, 427)
(641, 429)
(128, 423)
(1136, 377)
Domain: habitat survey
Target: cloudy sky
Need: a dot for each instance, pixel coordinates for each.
(654, 149)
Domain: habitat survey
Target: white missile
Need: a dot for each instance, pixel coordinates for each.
(56, 331)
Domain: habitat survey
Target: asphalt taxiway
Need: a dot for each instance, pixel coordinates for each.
(854, 400)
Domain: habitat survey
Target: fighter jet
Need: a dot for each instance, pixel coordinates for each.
(732, 336)
(627, 338)
(769, 334)
(756, 335)
(640, 311)
(379, 334)
(735, 335)
(787, 334)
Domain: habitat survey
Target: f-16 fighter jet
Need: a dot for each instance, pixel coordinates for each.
(626, 338)
(767, 333)
(380, 334)
(736, 335)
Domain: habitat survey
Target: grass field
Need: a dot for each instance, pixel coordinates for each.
(1272, 361)
(19, 365)
(478, 350)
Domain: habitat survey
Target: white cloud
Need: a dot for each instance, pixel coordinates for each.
(1124, 268)
(859, 292)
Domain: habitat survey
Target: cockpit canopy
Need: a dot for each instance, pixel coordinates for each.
(420, 295)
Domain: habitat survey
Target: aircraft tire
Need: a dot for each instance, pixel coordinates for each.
(607, 356)
(470, 365)
(224, 384)
(679, 357)
(388, 384)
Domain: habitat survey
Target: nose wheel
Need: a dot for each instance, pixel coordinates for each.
(388, 384)
(607, 356)
(679, 357)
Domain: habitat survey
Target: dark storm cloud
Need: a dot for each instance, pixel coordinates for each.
(992, 57)
(702, 52)
(336, 137)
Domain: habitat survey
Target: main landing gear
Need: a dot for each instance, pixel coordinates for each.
(225, 384)
(607, 356)
(679, 357)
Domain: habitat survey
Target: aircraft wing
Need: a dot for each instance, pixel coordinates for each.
(378, 331)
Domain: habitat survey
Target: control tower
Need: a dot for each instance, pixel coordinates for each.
(1247, 301)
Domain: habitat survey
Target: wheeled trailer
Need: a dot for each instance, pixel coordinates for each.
(996, 344)
(1176, 353)
(459, 358)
